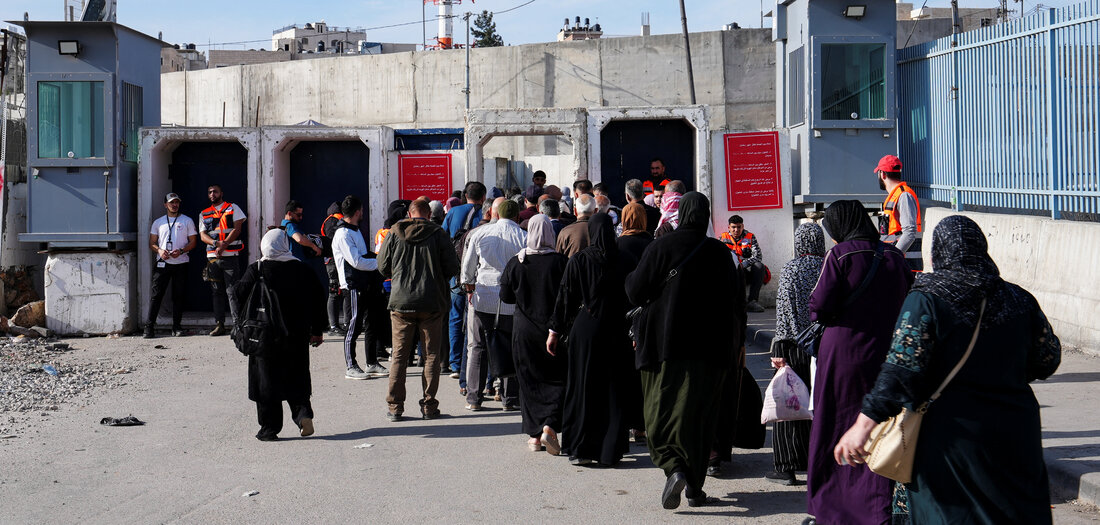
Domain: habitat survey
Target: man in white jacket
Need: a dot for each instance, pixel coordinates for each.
(358, 272)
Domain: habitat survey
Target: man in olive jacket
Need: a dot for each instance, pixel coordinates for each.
(420, 259)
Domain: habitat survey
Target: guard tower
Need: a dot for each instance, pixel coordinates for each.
(836, 84)
(90, 87)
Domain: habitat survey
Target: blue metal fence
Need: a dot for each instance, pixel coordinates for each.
(1007, 117)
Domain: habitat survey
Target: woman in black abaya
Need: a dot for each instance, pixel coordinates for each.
(591, 307)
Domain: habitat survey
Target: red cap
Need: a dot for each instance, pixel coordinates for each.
(890, 164)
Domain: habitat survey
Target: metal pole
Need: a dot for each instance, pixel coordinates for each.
(687, 50)
(423, 26)
(466, 17)
(955, 29)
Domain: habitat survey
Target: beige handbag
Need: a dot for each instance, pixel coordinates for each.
(893, 443)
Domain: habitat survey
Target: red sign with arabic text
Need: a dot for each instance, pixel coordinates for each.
(420, 175)
(752, 171)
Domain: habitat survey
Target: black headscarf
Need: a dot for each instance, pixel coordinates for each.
(398, 210)
(694, 211)
(332, 209)
(963, 274)
(848, 221)
(601, 235)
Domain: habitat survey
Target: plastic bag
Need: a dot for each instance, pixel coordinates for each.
(786, 399)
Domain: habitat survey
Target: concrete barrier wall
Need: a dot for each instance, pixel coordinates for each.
(1057, 261)
(734, 73)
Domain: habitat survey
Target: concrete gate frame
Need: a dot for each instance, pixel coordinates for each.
(696, 116)
(484, 124)
(278, 142)
(157, 145)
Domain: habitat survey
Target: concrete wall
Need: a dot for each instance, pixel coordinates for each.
(1054, 260)
(733, 74)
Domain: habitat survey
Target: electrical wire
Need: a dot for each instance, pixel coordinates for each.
(437, 18)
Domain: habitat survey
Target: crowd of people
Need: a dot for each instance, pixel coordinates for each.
(588, 320)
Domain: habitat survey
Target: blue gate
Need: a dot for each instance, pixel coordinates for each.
(1007, 117)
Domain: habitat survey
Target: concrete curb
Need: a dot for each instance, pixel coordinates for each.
(1071, 480)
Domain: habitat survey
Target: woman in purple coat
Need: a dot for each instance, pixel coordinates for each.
(850, 354)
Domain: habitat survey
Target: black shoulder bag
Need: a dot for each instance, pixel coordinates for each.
(633, 314)
(809, 338)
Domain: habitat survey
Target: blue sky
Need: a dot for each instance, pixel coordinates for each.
(221, 21)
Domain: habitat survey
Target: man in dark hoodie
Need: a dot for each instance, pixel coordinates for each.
(419, 258)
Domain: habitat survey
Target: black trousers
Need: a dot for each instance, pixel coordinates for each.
(270, 414)
(754, 274)
(224, 273)
(368, 314)
(337, 299)
(174, 275)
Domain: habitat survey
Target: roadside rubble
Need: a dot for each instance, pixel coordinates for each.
(36, 378)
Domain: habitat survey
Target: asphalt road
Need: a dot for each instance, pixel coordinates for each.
(196, 457)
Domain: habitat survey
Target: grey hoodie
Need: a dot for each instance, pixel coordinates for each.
(419, 258)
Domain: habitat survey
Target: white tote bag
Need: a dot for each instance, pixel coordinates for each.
(786, 399)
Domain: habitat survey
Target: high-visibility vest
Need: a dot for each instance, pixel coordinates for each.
(735, 245)
(218, 223)
(379, 237)
(889, 207)
(337, 216)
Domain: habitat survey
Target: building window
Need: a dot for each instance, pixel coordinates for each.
(853, 81)
(131, 121)
(796, 80)
(70, 120)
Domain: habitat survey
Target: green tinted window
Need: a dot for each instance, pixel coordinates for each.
(70, 120)
(853, 85)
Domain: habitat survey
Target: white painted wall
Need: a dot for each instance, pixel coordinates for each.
(774, 228)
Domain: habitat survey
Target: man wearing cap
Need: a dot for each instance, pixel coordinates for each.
(900, 222)
(170, 238)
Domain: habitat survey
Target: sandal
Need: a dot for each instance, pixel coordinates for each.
(534, 445)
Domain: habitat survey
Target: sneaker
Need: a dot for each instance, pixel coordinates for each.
(394, 418)
(356, 373)
(473, 407)
(377, 370)
(434, 414)
(754, 306)
(454, 374)
(335, 331)
(510, 408)
(177, 331)
(219, 329)
(307, 426)
(150, 332)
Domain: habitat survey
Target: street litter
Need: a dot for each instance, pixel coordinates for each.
(128, 421)
(50, 370)
(364, 445)
(122, 371)
(160, 347)
(250, 493)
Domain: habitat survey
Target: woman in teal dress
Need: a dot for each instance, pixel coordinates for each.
(979, 457)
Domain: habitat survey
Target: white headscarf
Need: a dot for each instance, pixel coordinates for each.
(540, 237)
(275, 246)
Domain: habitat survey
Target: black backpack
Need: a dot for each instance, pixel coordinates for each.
(459, 238)
(259, 325)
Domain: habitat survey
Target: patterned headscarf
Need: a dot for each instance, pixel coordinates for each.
(963, 274)
(797, 281)
(670, 209)
(634, 219)
(540, 237)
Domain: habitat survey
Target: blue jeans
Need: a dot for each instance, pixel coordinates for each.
(457, 334)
